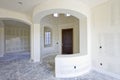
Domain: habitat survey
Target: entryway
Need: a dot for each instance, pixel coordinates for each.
(14, 40)
(67, 41)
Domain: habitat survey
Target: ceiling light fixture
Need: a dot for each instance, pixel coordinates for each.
(55, 14)
(68, 15)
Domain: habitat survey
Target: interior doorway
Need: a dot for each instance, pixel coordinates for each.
(67, 41)
(69, 25)
(14, 40)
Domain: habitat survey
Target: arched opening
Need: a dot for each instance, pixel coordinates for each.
(56, 24)
(15, 40)
(76, 21)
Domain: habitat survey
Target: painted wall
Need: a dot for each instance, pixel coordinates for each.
(1, 39)
(56, 25)
(106, 34)
(17, 38)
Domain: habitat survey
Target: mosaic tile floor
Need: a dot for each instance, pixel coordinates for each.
(21, 68)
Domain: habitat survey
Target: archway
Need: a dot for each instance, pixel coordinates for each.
(55, 26)
(82, 27)
(15, 39)
(39, 39)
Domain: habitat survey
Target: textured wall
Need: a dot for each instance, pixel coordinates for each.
(106, 36)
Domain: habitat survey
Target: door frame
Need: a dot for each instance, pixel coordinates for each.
(64, 26)
(62, 39)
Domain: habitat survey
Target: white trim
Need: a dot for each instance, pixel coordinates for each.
(107, 73)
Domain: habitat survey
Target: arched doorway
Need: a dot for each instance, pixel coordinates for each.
(82, 24)
(15, 39)
(45, 19)
(55, 26)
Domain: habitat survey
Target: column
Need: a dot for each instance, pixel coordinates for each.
(35, 42)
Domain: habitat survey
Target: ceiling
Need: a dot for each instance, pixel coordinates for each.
(28, 5)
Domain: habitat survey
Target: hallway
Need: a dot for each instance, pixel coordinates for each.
(21, 68)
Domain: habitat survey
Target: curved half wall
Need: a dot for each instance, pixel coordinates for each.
(67, 66)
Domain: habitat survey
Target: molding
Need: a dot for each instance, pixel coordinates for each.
(106, 73)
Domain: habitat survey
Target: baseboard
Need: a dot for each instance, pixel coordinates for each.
(107, 73)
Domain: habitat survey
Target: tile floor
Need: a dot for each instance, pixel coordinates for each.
(19, 67)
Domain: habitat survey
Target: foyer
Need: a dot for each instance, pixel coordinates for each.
(59, 39)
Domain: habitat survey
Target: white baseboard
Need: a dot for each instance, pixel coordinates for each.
(107, 73)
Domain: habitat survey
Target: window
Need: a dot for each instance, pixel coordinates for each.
(47, 37)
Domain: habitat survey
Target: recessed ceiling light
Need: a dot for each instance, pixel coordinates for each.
(20, 3)
(68, 15)
(55, 14)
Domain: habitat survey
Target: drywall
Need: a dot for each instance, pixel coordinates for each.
(17, 37)
(83, 36)
(67, 66)
(1, 39)
(56, 25)
(106, 37)
(52, 49)
(35, 43)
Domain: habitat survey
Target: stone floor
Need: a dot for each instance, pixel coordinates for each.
(20, 68)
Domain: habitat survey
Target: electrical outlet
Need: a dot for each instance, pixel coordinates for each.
(100, 47)
(74, 67)
(101, 64)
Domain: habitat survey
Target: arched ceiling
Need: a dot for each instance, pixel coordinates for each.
(27, 6)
